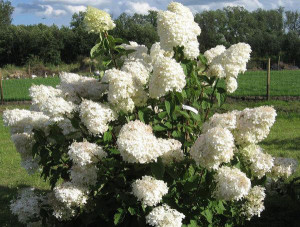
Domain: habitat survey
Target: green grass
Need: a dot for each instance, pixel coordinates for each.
(283, 140)
(12, 175)
(18, 89)
(252, 83)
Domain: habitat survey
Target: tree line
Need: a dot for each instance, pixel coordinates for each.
(271, 33)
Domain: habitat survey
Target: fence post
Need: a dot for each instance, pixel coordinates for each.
(268, 79)
(1, 88)
(29, 72)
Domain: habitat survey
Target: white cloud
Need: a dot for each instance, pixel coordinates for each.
(77, 2)
(65, 8)
(75, 9)
(49, 11)
(250, 5)
(139, 7)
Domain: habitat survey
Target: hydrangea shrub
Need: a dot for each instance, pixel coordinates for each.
(137, 147)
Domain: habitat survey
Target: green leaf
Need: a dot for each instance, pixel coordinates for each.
(168, 125)
(221, 96)
(119, 40)
(131, 210)
(184, 69)
(95, 51)
(158, 169)
(183, 93)
(202, 59)
(196, 116)
(106, 63)
(185, 114)
(119, 216)
(193, 223)
(208, 215)
(107, 136)
(141, 115)
(220, 207)
(176, 134)
(205, 104)
(168, 107)
(162, 115)
(159, 128)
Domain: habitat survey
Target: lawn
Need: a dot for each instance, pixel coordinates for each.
(284, 140)
(285, 82)
(12, 175)
(252, 83)
(18, 89)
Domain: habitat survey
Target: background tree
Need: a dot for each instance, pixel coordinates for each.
(6, 11)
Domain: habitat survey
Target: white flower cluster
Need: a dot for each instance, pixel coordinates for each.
(96, 116)
(84, 153)
(168, 75)
(156, 53)
(254, 204)
(21, 121)
(232, 184)
(149, 191)
(65, 198)
(137, 144)
(176, 27)
(214, 52)
(260, 162)
(49, 101)
(214, 147)
(40, 93)
(228, 63)
(84, 156)
(74, 87)
(140, 51)
(164, 216)
(171, 151)
(253, 125)
(27, 206)
(60, 210)
(225, 120)
(140, 76)
(98, 21)
(23, 143)
(283, 167)
(70, 195)
(126, 86)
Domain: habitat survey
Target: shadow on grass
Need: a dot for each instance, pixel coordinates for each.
(288, 144)
(280, 211)
(6, 195)
(7, 219)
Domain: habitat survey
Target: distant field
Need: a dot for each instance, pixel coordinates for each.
(18, 89)
(252, 83)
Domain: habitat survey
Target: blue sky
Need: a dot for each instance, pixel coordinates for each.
(59, 12)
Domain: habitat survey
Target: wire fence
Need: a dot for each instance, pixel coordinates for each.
(250, 84)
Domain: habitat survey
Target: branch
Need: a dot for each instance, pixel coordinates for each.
(111, 51)
(211, 100)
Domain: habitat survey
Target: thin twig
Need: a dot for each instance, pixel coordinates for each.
(110, 51)
(211, 100)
